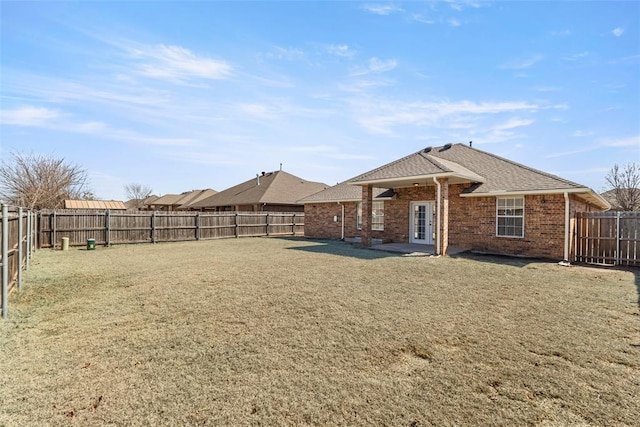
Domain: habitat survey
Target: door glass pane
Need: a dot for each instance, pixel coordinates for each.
(419, 225)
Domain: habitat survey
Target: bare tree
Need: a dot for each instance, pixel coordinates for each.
(137, 192)
(40, 181)
(625, 186)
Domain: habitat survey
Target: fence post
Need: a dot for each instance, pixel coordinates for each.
(153, 227)
(267, 220)
(293, 221)
(236, 229)
(107, 220)
(5, 260)
(197, 225)
(53, 230)
(28, 248)
(20, 247)
(618, 257)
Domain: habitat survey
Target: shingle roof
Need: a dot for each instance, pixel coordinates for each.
(277, 187)
(345, 192)
(490, 174)
(183, 200)
(94, 204)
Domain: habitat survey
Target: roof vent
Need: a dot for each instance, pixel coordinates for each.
(446, 147)
(426, 150)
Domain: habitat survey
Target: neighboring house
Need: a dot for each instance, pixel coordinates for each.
(95, 205)
(277, 191)
(610, 196)
(455, 195)
(175, 202)
(140, 204)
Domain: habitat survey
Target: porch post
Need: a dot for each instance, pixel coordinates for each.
(367, 215)
(444, 216)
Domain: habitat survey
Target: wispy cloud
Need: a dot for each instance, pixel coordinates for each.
(576, 56)
(177, 63)
(622, 143)
(381, 9)
(514, 123)
(341, 50)
(522, 63)
(286, 53)
(560, 33)
(377, 65)
(453, 22)
(618, 31)
(329, 151)
(28, 115)
(422, 18)
(632, 141)
(379, 117)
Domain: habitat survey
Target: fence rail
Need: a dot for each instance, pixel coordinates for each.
(109, 227)
(609, 238)
(17, 243)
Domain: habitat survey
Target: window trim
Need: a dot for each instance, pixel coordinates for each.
(359, 216)
(521, 236)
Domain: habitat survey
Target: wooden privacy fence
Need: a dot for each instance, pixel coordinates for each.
(17, 237)
(110, 227)
(610, 238)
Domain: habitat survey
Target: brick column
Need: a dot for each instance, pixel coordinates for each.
(367, 215)
(444, 216)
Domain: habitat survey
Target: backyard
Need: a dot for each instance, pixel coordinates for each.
(288, 331)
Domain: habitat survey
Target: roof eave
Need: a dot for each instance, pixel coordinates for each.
(388, 182)
(589, 194)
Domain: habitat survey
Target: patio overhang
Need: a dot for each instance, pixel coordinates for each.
(420, 180)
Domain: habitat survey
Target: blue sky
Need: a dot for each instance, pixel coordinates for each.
(192, 95)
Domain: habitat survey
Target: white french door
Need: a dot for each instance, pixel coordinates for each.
(421, 222)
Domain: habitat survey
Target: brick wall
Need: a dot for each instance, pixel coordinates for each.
(473, 224)
(472, 221)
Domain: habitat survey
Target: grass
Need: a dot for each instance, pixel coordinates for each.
(265, 331)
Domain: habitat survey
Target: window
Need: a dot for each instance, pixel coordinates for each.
(377, 219)
(510, 217)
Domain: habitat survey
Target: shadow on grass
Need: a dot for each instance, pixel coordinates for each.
(334, 247)
(500, 259)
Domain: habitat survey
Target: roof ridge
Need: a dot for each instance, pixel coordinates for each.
(386, 165)
(529, 168)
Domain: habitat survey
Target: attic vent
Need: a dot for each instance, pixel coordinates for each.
(446, 147)
(426, 150)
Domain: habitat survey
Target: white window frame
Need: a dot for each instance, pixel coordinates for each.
(507, 208)
(377, 217)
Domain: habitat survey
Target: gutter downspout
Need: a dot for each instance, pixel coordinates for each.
(566, 229)
(437, 216)
(342, 219)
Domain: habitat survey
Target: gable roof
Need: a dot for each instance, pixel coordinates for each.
(488, 173)
(94, 204)
(277, 187)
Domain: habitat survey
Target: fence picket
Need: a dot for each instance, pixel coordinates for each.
(610, 238)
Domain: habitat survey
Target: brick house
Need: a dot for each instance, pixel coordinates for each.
(277, 191)
(455, 195)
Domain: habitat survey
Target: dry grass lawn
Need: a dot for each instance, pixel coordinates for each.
(265, 331)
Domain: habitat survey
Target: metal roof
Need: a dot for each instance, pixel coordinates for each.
(94, 204)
